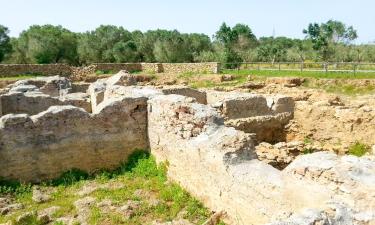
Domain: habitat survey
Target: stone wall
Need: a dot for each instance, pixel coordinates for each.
(217, 165)
(7, 70)
(190, 67)
(42, 146)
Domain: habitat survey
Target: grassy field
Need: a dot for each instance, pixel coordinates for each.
(17, 77)
(140, 180)
(311, 74)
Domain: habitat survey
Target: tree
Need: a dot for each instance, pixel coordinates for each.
(108, 44)
(173, 48)
(237, 41)
(326, 36)
(5, 45)
(273, 49)
(46, 44)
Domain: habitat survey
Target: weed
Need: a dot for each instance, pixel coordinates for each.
(358, 149)
(307, 151)
(307, 140)
(70, 177)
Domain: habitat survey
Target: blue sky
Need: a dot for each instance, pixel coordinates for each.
(287, 17)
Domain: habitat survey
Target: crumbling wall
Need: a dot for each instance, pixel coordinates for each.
(218, 166)
(39, 147)
(32, 96)
(190, 67)
(200, 96)
(265, 116)
(66, 70)
(42, 69)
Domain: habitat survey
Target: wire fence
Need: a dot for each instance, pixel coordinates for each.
(350, 67)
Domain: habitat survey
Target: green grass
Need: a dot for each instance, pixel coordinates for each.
(140, 172)
(101, 72)
(18, 77)
(312, 74)
(358, 149)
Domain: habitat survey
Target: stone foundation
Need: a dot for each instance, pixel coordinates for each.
(216, 162)
(40, 147)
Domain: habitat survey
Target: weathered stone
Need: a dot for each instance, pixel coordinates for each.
(122, 78)
(128, 210)
(226, 77)
(269, 128)
(66, 137)
(40, 195)
(200, 96)
(281, 154)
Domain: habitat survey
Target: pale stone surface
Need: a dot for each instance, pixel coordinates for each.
(66, 137)
(231, 179)
(200, 96)
(351, 178)
(281, 154)
(215, 163)
(32, 96)
(268, 128)
(265, 116)
(52, 85)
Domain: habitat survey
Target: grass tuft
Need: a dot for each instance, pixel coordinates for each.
(358, 149)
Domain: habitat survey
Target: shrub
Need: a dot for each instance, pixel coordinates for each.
(358, 149)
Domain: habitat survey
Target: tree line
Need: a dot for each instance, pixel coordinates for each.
(330, 41)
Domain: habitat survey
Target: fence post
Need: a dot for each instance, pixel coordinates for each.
(301, 66)
(354, 68)
(258, 66)
(279, 66)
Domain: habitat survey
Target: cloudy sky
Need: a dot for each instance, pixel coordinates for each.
(286, 17)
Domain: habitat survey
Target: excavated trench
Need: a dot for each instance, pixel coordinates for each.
(237, 152)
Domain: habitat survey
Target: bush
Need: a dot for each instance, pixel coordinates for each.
(358, 149)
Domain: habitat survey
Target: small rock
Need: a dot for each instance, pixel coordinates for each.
(84, 202)
(128, 210)
(105, 203)
(7, 209)
(4, 202)
(226, 77)
(48, 211)
(88, 189)
(44, 219)
(40, 196)
(25, 218)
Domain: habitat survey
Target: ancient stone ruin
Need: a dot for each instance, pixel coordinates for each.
(231, 150)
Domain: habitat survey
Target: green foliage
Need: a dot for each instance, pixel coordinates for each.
(5, 45)
(30, 219)
(46, 44)
(107, 44)
(14, 187)
(312, 74)
(113, 44)
(101, 72)
(358, 149)
(70, 177)
(327, 35)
